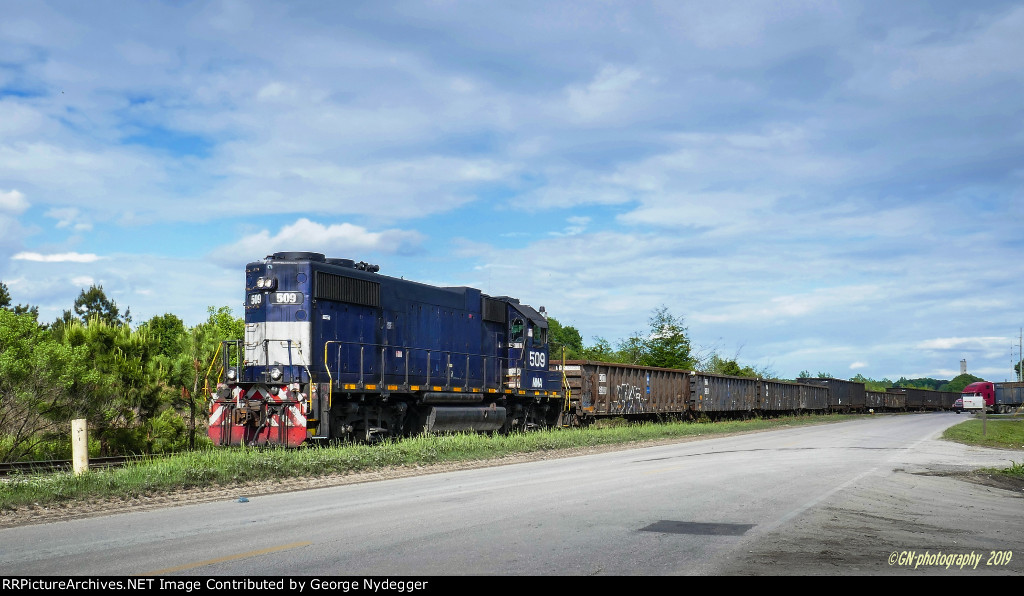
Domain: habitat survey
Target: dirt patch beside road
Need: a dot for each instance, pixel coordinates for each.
(994, 480)
(867, 531)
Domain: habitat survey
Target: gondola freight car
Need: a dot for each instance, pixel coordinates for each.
(605, 389)
(844, 396)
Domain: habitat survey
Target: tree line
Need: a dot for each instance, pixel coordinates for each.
(664, 344)
(140, 389)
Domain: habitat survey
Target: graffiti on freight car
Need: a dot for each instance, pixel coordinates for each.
(629, 399)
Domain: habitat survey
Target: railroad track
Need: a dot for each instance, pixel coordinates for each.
(35, 467)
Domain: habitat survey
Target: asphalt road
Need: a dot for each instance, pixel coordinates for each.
(832, 499)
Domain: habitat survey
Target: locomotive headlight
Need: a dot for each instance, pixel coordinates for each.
(232, 374)
(266, 283)
(275, 373)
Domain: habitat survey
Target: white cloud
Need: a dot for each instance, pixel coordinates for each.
(993, 48)
(112, 174)
(66, 257)
(758, 306)
(335, 240)
(147, 284)
(576, 225)
(967, 343)
(610, 88)
(13, 201)
(266, 180)
(276, 91)
(69, 217)
(19, 119)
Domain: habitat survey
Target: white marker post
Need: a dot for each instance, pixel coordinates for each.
(79, 447)
(984, 419)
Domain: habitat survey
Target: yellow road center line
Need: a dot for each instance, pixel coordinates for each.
(254, 553)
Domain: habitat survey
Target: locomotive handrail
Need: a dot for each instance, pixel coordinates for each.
(226, 358)
(428, 370)
(565, 387)
(330, 379)
(206, 378)
(287, 376)
(266, 357)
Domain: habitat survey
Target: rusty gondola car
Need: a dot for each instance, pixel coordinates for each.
(895, 402)
(714, 395)
(844, 396)
(778, 396)
(920, 399)
(875, 400)
(604, 389)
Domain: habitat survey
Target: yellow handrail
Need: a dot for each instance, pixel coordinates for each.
(327, 367)
(565, 386)
(206, 378)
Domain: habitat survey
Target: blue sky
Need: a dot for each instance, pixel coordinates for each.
(829, 186)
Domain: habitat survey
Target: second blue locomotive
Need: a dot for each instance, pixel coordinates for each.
(334, 350)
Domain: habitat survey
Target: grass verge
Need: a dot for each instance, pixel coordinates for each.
(1004, 434)
(226, 467)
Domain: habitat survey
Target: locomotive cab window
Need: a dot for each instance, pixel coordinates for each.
(538, 334)
(515, 331)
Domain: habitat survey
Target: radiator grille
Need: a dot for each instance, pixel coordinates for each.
(347, 289)
(494, 311)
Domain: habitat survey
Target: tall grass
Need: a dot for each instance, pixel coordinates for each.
(236, 466)
(1016, 470)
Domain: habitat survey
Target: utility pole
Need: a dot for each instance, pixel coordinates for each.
(1018, 362)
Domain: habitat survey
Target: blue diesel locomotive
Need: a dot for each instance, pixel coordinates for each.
(334, 350)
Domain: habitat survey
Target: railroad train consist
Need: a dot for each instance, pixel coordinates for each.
(335, 350)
